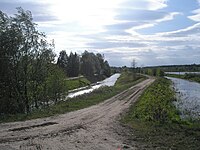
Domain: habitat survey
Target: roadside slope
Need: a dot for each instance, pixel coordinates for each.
(156, 123)
(89, 128)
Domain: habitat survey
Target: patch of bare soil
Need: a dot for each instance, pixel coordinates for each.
(93, 128)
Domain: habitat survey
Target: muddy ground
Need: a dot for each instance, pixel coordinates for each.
(93, 128)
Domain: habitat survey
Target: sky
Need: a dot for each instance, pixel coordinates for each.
(153, 32)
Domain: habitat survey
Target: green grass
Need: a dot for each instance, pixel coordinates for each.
(77, 83)
(124, 81)
(156, 103)
(175, 76)
(156, 122)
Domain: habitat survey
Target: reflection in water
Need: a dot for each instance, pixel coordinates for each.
(107, 82)
(188, 94)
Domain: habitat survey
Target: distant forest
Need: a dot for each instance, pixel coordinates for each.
(178, 68)
(30, 77)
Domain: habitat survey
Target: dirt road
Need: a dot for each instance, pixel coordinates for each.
(93, 128)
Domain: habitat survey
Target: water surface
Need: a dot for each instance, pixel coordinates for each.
(188, 95)
(107, 82)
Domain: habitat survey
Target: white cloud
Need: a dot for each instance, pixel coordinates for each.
(87, 12)
(196, 16)
(177, 47)
(169, 16)
(111, 28)
(191, 30)
(145, 25)
(157, 4)
(196, 12)
(144, 4)
(152, 23)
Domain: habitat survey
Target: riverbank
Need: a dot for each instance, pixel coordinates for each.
(124, 82)
(190, 77)
(156, 123)
(78, 82)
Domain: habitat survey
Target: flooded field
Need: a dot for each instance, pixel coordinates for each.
(188, 95)
(107, 82)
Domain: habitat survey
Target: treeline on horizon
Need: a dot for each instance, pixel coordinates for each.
(178, 68)
(160, 70)
(30, 77)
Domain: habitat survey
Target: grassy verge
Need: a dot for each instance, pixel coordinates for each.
(77, 83)
(156, 122)
(190, 77)
(124, 81)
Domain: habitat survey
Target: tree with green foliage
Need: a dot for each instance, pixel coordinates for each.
(107, 69)
(94, 66)
(133, 65)
(103, 65)
(26, 58)
(55, 83)
(73, 65)
(69, 64)
(62, 61)
(87, 64)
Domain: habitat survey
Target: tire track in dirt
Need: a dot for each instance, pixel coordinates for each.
(90, 128)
